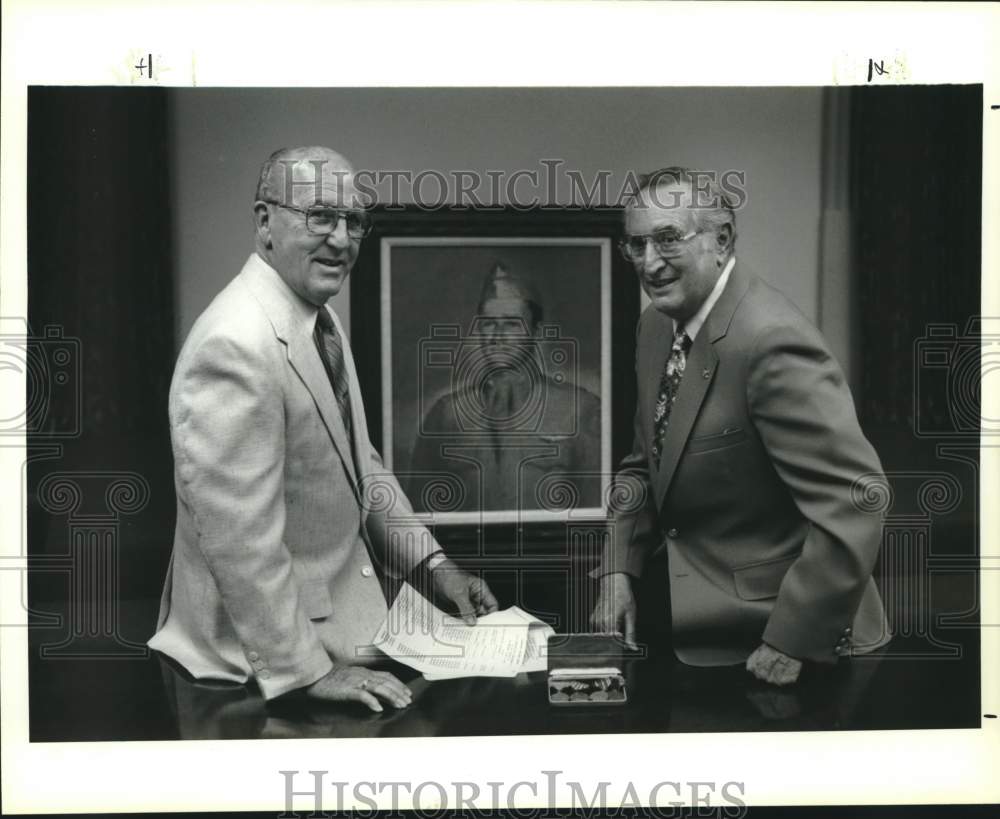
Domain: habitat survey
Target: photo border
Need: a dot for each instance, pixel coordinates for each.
(764, 44)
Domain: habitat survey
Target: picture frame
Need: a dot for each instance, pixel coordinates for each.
(477, 435)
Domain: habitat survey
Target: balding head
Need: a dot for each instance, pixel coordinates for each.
(307, 175)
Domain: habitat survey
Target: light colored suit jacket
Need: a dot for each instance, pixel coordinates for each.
(279, 516)
(762, 496)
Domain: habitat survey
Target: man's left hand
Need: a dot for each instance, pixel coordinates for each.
(772, 666)
(466, 592)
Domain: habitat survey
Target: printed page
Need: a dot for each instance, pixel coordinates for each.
(420, 635)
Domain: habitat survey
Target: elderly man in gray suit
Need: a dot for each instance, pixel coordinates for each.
(749, 450)
(283, 507)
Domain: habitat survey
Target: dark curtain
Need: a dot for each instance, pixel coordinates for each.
(100, 284)
(916, 190)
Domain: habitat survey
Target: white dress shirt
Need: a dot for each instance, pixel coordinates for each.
(694, 323)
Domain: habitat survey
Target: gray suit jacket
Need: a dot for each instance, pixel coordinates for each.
(279, 516)
(762, 498)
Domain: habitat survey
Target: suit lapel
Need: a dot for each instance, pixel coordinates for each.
(721, 315)
(293, 321)
(702, 363)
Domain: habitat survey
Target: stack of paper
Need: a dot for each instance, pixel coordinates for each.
(440, 646)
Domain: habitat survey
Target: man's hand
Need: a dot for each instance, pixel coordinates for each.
(615, 609)
(346, 683)
(466, 592)
(772, 666)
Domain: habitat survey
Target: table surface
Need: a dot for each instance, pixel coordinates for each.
(146, 697)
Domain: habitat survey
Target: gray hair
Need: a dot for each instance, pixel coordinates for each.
(712, 206)
(264, 190)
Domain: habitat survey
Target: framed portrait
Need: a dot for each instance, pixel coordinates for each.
(495, 366)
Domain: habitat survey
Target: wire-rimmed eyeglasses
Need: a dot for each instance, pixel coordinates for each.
(667, 242)
(322, 220)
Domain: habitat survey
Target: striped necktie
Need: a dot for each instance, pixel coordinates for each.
(331, 351)
(670, 381)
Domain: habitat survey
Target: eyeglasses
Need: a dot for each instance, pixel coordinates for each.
(668, 243)
(322, 220)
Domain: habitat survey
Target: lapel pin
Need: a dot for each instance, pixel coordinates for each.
(706, 373)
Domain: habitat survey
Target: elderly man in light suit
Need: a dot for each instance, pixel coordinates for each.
(755, 475)
(283, 506)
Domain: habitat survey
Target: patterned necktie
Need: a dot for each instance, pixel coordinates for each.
(673, 371)
(331, 351)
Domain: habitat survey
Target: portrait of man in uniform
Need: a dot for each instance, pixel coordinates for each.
(503, 391)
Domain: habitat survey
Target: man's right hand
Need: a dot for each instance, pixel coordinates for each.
(615, 609)
(347, 683)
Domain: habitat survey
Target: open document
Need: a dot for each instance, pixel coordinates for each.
(440, 646)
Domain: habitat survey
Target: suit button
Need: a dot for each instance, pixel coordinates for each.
(253, 655)
(265, 674)
(672, 533)
(848, 630)
(367, 571)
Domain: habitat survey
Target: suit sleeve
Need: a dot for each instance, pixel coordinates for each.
(396, 533)
(804, 413)
(634, 528)
(227, 422)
